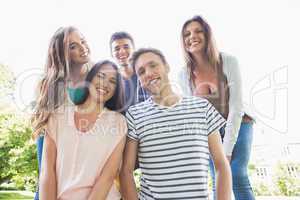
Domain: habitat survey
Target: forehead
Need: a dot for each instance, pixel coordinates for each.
(193, 25)
(75, 35)
(107, 69)
(147, 58)
(121, 42)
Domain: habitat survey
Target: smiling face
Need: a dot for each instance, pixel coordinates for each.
(103, 85)
(122, 50)
(79, 51)
(152, 72)
(194, 38)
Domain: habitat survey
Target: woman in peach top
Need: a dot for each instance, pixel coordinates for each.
(84, 143)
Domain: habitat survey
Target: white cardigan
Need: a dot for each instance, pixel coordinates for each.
(232, 73)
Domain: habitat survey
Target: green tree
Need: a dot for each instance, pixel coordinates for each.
(18, 162)
(287, 185)
(18, 153)
(7, 87)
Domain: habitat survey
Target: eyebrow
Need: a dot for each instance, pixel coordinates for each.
(148, 63)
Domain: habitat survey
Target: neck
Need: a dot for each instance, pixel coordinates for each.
(201, 61)
(167, 97)
(77, 73)
(126, 72)
(90, 106)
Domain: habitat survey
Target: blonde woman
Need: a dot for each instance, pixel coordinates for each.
(66, 67)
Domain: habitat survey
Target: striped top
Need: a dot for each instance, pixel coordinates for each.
(173, 147)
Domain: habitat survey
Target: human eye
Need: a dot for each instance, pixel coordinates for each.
(113, 81)
(83, 41)
(141, 72)
(117, 48)
(152, 65)
(72, 46)
(199, 31)
(186, 34)
(101, 75)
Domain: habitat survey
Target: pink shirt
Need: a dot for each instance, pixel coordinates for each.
(81, 156)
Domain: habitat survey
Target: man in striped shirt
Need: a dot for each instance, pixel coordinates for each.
(173, 137)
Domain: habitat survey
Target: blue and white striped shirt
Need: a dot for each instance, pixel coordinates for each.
(173, 147)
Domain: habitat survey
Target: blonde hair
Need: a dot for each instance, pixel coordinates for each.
(51, 89)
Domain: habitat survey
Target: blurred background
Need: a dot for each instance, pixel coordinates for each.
(263, 35)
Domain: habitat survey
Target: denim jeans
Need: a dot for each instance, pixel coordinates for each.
(239, 164)
(39, 148)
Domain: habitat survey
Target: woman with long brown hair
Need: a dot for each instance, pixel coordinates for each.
(216, 76)
(66, 67)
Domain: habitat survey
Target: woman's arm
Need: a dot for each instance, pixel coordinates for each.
(108, 174)
(223, 172)
(128, 188)
(232, 72)
(47, 180)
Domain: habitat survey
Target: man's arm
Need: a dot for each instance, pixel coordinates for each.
(47, 179)
(110, 171)
(223, 171)
(128, 188)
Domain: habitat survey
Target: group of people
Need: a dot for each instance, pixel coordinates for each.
(96, 123)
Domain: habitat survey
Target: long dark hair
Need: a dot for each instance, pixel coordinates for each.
(210, 51)
(116, 102)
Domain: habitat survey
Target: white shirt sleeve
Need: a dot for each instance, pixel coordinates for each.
(233, 75)
(183, 81)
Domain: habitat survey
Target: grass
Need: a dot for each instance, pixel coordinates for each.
(14, 195)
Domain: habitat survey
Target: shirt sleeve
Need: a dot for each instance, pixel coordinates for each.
(233, 75)
(183, 82)
(214, 120)
(131, 126)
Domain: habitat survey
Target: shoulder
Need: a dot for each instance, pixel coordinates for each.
(61, 113)
(192, 100)
(182, 73)
(116, 116)
(230, 63)
(141, 107)
(116, 120)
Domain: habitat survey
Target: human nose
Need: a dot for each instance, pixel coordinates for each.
(148, 74)
(84, 47)
(192, 35)
(122, 51)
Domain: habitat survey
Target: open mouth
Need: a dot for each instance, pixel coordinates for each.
(85, 54)
(123, 58)
(101, 91)
(195, 43)
(153, 81)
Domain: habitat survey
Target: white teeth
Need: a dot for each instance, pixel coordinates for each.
(153, 81)
(123, 57)
(195, 43)
(84, 54)
(102, 91)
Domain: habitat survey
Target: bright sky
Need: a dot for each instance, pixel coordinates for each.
(261, 34)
